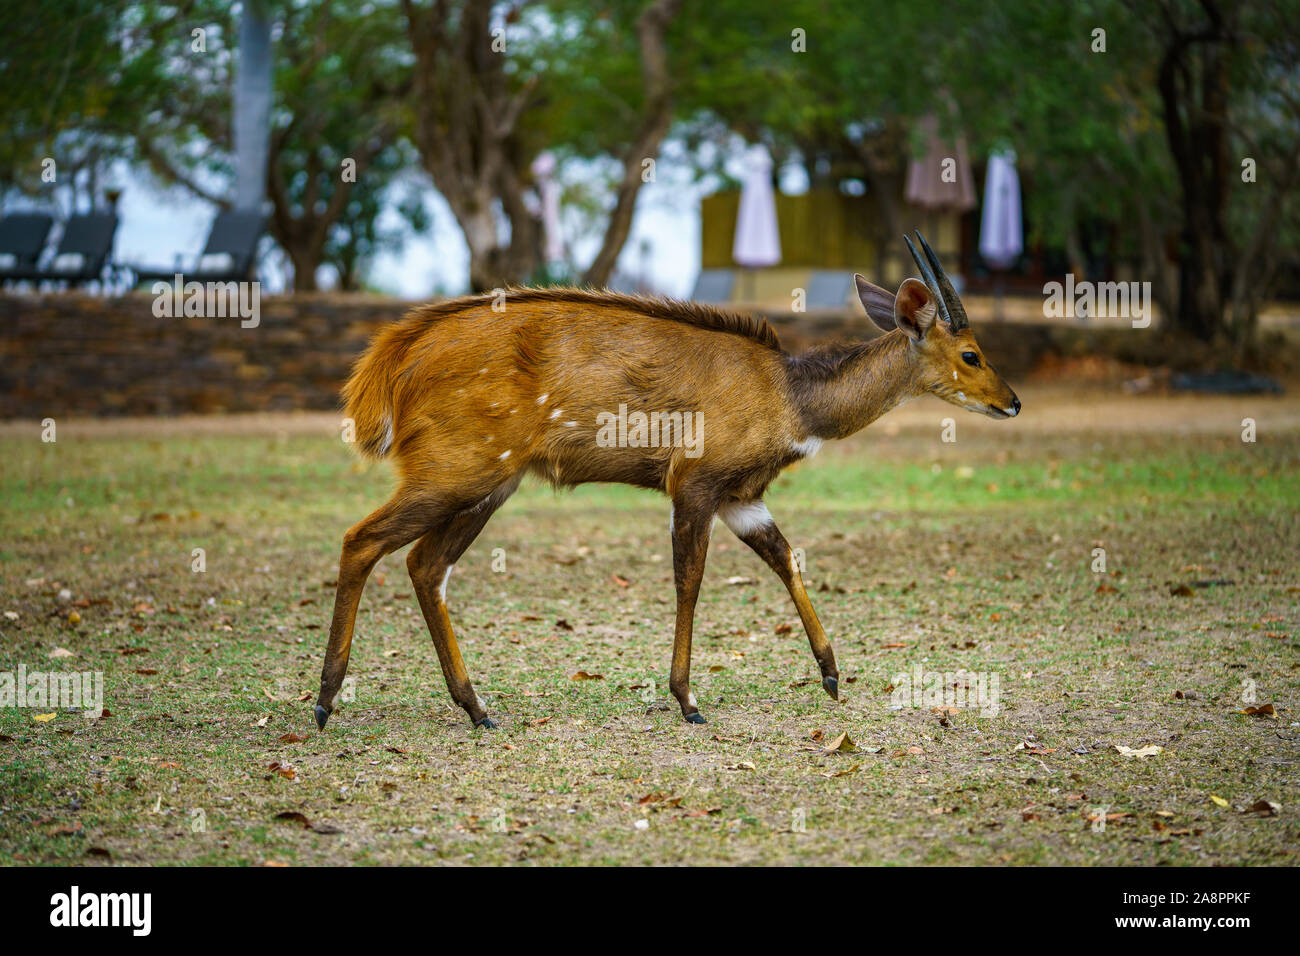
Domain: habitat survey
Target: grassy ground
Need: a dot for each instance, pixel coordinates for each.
(974, 555)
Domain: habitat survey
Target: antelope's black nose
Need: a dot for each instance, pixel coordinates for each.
(1015, 403)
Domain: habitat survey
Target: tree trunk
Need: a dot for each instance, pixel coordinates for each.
(656, 117)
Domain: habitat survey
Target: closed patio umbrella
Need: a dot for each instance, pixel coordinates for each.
(939, 182)
(549, 190)
(758, 241)
(1001, 234)
(1001, 231)
(927, 186)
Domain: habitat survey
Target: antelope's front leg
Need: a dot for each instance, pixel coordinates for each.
(754, 525)
(692, 522)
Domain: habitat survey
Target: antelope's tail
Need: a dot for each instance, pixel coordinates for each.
(368, 394)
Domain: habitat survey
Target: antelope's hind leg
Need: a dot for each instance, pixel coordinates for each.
(753, 525)
(430, 563)
(399, 522)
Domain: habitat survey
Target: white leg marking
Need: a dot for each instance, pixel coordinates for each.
(442, 588)
(743, 517)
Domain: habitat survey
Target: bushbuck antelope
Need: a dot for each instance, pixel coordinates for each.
(469, 395)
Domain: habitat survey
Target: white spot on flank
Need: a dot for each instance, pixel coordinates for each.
(542, 400)
(482, 371)
(513, 410)
(954, 375)
(962, 396)
(504, 455)
(745, 517)
(556, 414)
(570, 424)
(807, 448)
(442, 588)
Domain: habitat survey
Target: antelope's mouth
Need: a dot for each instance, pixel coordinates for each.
(994, 412)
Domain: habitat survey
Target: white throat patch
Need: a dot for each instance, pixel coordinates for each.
(807, 448)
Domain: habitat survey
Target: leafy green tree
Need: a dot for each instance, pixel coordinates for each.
(337, 120)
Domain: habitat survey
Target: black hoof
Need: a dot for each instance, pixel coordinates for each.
(487, 723)
(832, 685)
(322, 715)
(695, 718)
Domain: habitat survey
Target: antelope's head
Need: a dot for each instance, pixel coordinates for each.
(929, 313)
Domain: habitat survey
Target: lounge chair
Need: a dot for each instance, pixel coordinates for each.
(228, 256)
(714, 286)
(83, 252)
(22, 238)
(829, 289)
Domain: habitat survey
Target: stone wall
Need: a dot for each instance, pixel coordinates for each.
(71, 354)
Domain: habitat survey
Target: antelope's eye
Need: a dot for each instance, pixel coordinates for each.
(970, 358)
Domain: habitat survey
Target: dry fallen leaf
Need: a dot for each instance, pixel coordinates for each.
(42, 718)
(61, 652)
(1148, 751)
(843, 773)
(1266, 808)
(295, 817)
(842, 744)
(1219, 800)
(743, 765)
(292, 738)
(583, 675)
(1182, 591)
(1265, 710)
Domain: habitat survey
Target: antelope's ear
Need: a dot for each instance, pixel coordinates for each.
(914, 309)
(878, 302)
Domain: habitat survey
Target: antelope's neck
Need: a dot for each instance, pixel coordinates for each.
(842, 389)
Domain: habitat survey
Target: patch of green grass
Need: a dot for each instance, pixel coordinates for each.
(974, 557)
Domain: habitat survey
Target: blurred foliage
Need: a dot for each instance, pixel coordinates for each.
(1090, 129)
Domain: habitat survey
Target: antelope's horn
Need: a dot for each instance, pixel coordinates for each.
(957, 312)
(931, 282)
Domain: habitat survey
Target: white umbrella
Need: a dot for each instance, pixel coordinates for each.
(757, 243)
(1001, 233)
(549, 190)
